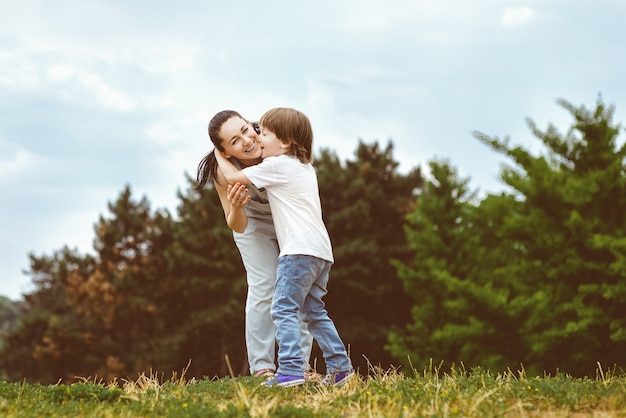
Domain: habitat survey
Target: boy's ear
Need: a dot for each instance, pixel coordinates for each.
(285, 144)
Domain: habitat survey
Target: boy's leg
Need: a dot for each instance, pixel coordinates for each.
(322, 327)
(293, 281)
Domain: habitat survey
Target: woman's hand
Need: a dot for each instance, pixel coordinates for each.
(237, 195)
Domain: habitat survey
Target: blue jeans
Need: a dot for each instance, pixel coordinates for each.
(259, 253)
(301, 282)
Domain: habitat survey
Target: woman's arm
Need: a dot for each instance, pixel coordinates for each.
(233, 199)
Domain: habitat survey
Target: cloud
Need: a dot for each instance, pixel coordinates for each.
(517, 16)
(75, 85)
(108, 96)
(61, 73)
(19, 162)
(95, 95)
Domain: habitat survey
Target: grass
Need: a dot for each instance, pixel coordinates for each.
(381, 393)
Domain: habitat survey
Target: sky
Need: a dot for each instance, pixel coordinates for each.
(99, 94)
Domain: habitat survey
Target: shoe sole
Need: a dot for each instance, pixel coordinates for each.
(292, 383)
(297, 382)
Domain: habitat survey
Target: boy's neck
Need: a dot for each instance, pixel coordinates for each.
(282, 152)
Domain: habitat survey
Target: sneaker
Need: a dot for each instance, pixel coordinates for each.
(267, 373)
(284, 380)
(338, 378)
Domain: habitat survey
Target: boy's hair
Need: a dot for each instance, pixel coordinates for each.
(291, 125)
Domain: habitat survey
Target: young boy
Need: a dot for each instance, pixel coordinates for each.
(306, 254)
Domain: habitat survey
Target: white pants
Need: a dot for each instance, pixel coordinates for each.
(259, 252)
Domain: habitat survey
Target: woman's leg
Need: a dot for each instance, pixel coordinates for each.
(259, 253)
(307, 344)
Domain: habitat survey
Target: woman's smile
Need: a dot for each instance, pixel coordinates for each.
(251, 148)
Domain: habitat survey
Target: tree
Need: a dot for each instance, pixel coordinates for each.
(96, 316)
(9, 316)
(50, 341)
(460, 305)
(570, 228)
(121, 295)
(544, 278)
(364, 204)
(206, 293)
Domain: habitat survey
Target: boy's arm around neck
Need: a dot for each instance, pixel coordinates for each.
(231, 173)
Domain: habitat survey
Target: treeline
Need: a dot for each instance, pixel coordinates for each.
(425, 270)
(9, 317)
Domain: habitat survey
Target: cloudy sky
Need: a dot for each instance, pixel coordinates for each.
(98, 94)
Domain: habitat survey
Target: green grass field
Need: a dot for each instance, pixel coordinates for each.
(382, 393)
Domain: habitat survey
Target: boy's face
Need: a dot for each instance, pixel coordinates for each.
(272, 146)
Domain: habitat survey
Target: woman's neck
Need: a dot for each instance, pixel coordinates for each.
(248, 163)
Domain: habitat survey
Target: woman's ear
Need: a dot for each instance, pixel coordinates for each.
(225, 154)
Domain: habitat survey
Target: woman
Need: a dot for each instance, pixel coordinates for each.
(306, 253)
(247, 213)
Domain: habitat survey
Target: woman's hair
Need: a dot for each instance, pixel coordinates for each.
(207, 168)
(291, 125)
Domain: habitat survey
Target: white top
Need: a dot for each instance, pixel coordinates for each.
(293, 194)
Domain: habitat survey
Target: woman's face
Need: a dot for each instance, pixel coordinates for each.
(240, 140)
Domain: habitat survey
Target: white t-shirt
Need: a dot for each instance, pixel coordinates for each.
(293, 194)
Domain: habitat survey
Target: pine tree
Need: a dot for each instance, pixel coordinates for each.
(569, 227)
(119, 296)
(50, 341)
(364, 204)
(532, 278)
(207, 290)
(458, 304)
